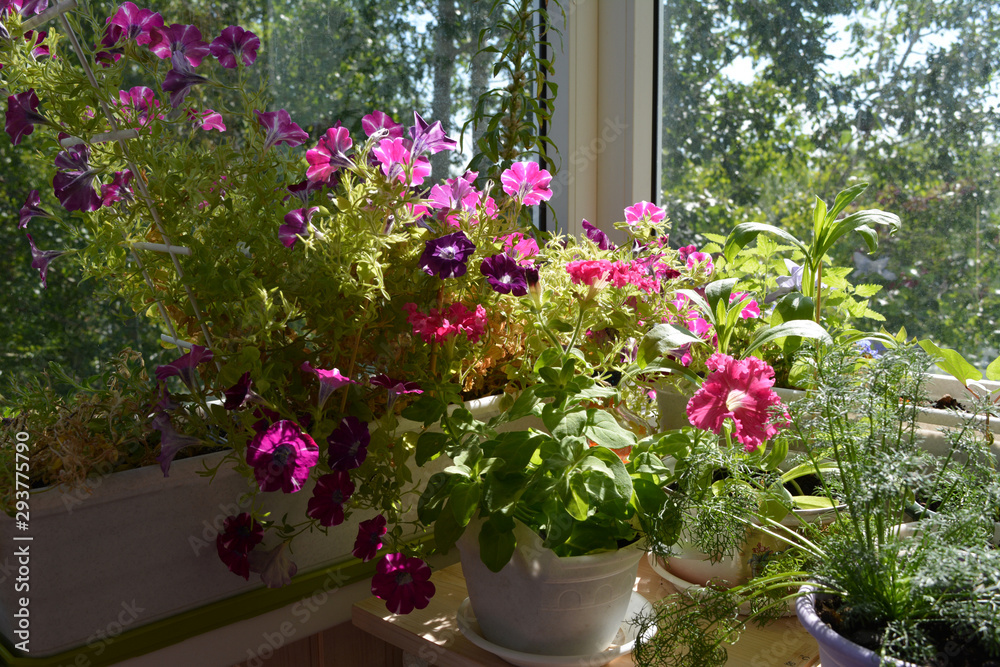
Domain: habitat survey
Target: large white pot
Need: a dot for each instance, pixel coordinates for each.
(542, 604)
(139, 547)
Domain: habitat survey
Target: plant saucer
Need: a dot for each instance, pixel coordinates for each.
(621, 645)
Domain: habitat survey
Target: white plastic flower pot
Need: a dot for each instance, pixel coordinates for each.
(542, 604)
(835, 650)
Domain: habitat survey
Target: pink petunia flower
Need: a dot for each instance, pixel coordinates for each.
(443, 324)
(329, 154)
(751, 310)
(404, 583)
(280, 129)
(378, 120)
(526, 183)
(207, 120)
(120, 188)
(593, 272)
(329, 380)
(184, 366)
(738, 390)
(644, 211)
(181, 43)
(130, 22)
(394, 157)
(282, 456)
(136, 105)
(700, 261)
(298, 223)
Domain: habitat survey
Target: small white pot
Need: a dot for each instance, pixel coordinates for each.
(542, 604)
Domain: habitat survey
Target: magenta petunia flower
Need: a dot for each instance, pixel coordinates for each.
(282, 456)
(685, 252)
(738, 390)
(40, 259)
(35, 39)
(74, 182)
(130, 22)
(445, 257)
(329, 381)
(378, 120)
(644, 211)
(454, 194)
(395, 388)
(394, 157)
(32, 209)
(179, 43)
(504, 275)
(329, 154)
(120, 188)
(749, 311)
(440, 325)
(404, 583)
(349, 444)
(429, 138)
(297, 224)
(208, 119)
(184, 366)
(237, 395)
(276, 569)
(369, 539)
(280, 129)
(240, 533)
(179, 82)
(700, 261)
(329, 496)
(597, 236)
(171, 441)
(526, 183)
(304, 190)
(592, 272)
(29, 8)
(136, 104)
(520, 248)
(235, 45)
(22, 115)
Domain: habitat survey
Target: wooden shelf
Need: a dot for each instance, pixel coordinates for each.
(432, 634)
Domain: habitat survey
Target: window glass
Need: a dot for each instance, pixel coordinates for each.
(766, 104)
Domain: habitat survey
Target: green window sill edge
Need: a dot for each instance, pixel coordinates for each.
(175, 629)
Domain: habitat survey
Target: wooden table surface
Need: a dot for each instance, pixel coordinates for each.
(432, 633)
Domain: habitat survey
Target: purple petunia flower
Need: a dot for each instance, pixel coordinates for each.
(526, 183)
(597, 236)
(329, 496)
(236, 395)
(179, 43)
(404, 583)
(329, 381)
(276, 569)
(240, 533)
(349, 444)
(35, 39)
(280, 129)
(282, 456)
(304, 190)
(504, 275)
(395, 158)
(395, 388)
(30, 7)
(171, 441)
(179, 82)
(297, 222)
(369, 539)
(429, 138)
(378, 120)
(40, 259)
(233, 45)
(31, 209)
(130, 22)
(118, 189)
(446, 256)
(74, 182)
(22, 115)
(330, 154)
(184, 366)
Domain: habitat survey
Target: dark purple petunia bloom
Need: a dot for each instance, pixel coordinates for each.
(276, 569)
(35, 39)
(130, 22)
(395, 388)
(240, 534)
(171, 441)
(598, 237)
(31, 7)
(236, 395)
(369, 539)
(504, 275)
(32, 209)
(446, 256)
(184, 366)
(74, 182)
(330, 154)
(282, 456)
(403, 582)
(233, 45)
(329, 496)
(120, 188)
(280, 129)
(179, 82)
(378, 120)
(178, 42)
(349, 444)
(297, 223)
(40, 259)
(22, 115)
(304, 190)
(429, 137)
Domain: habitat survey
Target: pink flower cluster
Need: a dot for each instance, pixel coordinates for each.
(639, 273)
(443, 324)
